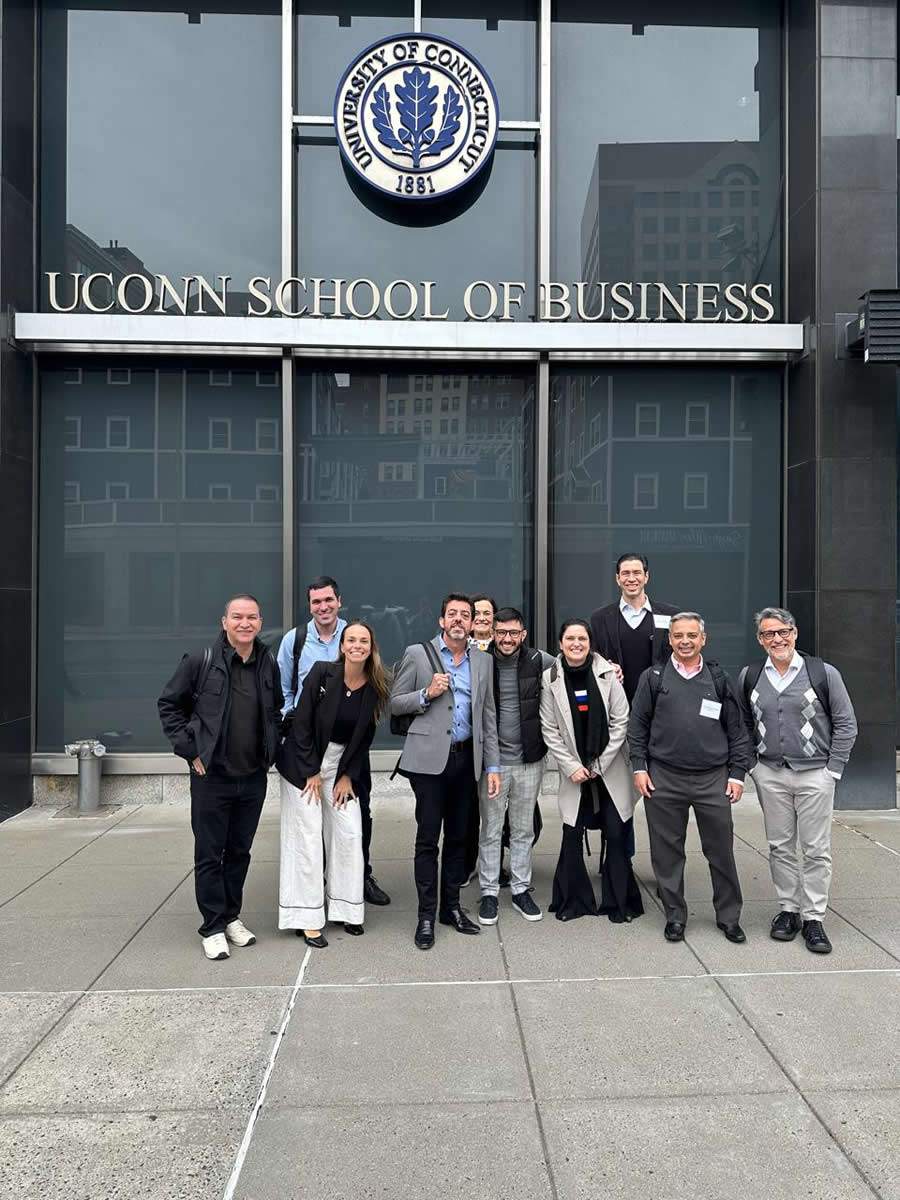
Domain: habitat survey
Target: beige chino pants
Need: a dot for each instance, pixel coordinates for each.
(797, 808)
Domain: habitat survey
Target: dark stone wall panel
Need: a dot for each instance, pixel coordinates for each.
(803, 607)
(15, 505)
(859, 123)
(15, 766)
(858, 248)
(854, 628)
(857, 524)
(15, 654)
(801, 272)
(16, 407)
(870, 780)
(801, 122)
(859, 28)
(801, 412)
(801, 527)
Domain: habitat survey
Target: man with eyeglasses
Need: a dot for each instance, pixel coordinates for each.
(802, 728)
(517, 691)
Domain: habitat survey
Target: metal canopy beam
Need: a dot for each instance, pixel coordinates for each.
(275, 335)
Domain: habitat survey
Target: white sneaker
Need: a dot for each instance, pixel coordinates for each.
(216, 947)
(238, 933)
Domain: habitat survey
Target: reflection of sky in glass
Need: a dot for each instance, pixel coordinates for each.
(671, 84)
(326, 49)
(507, 53)
(173, 135)
(339, 237)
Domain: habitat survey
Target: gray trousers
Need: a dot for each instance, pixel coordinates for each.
(519, 787)
(676, 793)
(797, 807)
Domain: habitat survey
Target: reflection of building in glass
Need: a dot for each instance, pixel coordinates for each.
(673, 212)
(664, 472)
(161, 495)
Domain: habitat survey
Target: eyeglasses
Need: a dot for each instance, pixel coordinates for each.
(509, 635)
(769, 635)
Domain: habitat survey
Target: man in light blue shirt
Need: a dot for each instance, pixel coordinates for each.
(321, 641)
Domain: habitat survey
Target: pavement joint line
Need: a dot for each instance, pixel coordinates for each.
(6, 1076)
(63, 861)
(867, 838)
(251, 1123)
(536, 1109)
(742, 1016)
(836, 911)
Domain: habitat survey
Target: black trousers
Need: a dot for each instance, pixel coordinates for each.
(677, 792)
(365, 812)
(573, 893)
(444, 800)
(225, 811)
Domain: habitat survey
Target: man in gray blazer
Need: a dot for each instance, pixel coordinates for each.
(452, 737)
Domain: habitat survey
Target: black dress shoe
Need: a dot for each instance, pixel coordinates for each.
(424, 938)
(674, 931)
(785, 926)
(733, 932)
(318, 943)
(373, 894)
(458, 920)
(816, 938)
(354, 930)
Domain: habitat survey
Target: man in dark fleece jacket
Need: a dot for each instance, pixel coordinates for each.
(689, 749)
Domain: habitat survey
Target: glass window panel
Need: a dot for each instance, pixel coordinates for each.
(162, 533)
(502, 35)
(401, 516)
(671, 144)
(331, 35)
(692, 504)
(160, 134)
(341, 237)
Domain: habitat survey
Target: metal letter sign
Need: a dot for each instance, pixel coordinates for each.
(416, 116)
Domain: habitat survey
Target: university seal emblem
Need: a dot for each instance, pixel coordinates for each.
(416, 116)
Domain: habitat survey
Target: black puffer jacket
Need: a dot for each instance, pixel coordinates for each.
(193, 722)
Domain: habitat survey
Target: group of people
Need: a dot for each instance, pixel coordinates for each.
(629, 708)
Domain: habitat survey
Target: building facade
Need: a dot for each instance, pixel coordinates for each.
(230, 361)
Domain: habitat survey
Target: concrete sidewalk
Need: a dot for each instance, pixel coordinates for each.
(536, 1061)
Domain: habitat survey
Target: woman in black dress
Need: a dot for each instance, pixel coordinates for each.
(584, 717)
(324, 766)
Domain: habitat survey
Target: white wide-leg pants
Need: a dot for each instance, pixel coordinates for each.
(303, 891)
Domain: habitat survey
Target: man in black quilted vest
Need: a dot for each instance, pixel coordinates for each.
(517, 694)
(802, 729)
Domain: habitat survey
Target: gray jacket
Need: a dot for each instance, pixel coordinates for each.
(427, 745)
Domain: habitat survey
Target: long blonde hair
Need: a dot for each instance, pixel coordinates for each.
(375, 671)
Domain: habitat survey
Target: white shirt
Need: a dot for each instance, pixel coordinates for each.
(778, 681)
(634, 616)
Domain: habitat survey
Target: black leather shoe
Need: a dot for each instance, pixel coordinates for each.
(674, 931)
(458, 920)
(424, 938)
(354, 930)
(318, 943)
(816, 938)
(733, 932)
(786, 926)
(373, 894)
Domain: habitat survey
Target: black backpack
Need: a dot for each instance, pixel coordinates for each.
(400, 725)
(815, 669)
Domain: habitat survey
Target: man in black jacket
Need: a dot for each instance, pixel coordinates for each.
(632, 633)
(517, 696)
(689, 749)
(221, 711)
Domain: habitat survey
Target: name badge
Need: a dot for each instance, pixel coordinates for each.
(711, 709)
(661, 622)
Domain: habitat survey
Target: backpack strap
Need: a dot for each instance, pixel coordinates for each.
(299, 643)
(720, 680)
(751, 679)
(203, 672)
(818, 680)
(431, 654)
(655, 682)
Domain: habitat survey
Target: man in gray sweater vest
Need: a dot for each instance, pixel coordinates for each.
(802, 728)
(689, 749)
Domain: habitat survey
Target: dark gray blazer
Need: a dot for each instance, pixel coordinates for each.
(427, 745)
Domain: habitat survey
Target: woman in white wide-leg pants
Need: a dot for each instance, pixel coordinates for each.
(324, 765)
